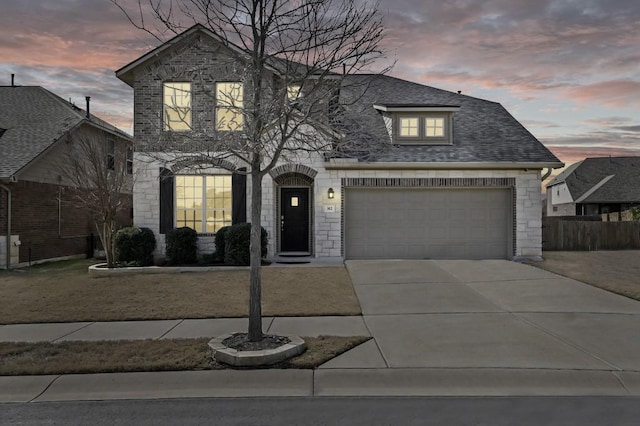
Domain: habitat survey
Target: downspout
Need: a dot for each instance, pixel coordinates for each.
(546, 175)
(8, 242)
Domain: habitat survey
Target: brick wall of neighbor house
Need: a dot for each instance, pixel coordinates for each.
(49, 228)
(327, 224)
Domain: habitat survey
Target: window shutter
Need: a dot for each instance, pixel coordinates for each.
(239, 195)
(166, 200)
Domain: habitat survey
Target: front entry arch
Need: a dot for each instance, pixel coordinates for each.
(294, 220)
(294, 204)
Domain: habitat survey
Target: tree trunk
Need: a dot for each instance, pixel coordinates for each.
(255, 287)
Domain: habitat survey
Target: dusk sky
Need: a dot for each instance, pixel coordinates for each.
(569, 70)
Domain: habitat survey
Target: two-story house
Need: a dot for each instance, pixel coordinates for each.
(594, 186)
(40, 218)
(459, 177)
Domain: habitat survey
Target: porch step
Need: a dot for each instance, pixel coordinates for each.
(294, 254)
(293, 258)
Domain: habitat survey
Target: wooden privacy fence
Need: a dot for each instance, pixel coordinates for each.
(581, 235)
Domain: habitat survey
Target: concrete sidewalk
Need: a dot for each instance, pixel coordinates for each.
(180, 329)
(443, 328)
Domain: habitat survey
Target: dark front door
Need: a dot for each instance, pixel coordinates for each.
(294, 219)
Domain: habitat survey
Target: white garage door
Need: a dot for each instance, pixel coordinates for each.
(401, 223)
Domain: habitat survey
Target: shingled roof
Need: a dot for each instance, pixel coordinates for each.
(33, 119)
(600, 180)
(483, 131)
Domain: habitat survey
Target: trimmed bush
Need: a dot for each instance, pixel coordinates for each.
(219, 242)
(134, 246)
(182, 247)
(237, 242)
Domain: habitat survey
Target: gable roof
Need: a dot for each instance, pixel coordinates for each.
(603, 180)
(483, 131)
(274, 64)
(33, 120)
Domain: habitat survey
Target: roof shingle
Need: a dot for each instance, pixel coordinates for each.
(33, 119)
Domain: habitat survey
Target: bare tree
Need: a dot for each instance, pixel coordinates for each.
(100, 171)
(311, 47)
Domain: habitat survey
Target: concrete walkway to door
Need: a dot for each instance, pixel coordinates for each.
(486, 327)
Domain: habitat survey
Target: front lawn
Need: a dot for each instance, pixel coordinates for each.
(617, 271)
(64, 292)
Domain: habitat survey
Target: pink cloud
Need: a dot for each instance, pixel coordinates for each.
(615, 93)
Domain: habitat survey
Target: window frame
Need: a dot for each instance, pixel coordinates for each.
(294, 91)
(129, 160)
(421, 137)
(402, 118)
(231, 106)
(111, 154)
(203, 199)
(187, 110)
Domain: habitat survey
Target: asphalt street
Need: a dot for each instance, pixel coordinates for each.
(493, 411)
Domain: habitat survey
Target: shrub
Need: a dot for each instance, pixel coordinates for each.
(134, 246)
(237, 242)
(219, 242)
(182, 246)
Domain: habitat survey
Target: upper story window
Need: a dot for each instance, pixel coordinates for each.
(111, 154)
(434, 127)
(419, 124)
(203, 203)
(129, 161)
(408, 127)
(229, 103)
(177, 106)
(293, 91)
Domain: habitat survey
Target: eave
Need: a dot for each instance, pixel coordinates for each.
(416, 108)
(342, 164)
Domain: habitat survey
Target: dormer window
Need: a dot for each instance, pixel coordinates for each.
(419, 124)
(434, 127)
(408, 127)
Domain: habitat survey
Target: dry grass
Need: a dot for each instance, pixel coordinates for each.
(103, 357)
(615, 271)
(323, 348)
(64, 292)
(143, 355)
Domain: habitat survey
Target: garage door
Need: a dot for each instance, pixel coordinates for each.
(401, 223)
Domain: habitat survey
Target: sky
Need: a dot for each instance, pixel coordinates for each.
(568, 70)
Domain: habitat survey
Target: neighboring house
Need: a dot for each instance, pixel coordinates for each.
(595, 186)
(38, 218)
(459, 179)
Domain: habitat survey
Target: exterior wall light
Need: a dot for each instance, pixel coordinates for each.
(330, 193)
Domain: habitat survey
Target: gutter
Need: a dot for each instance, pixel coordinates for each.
(355, 165)
(8, 242)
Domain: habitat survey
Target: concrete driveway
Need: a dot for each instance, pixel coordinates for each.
(493, 323)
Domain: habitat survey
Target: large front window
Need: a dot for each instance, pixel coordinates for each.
(177, 106)
(203, 203)
(229, 102)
